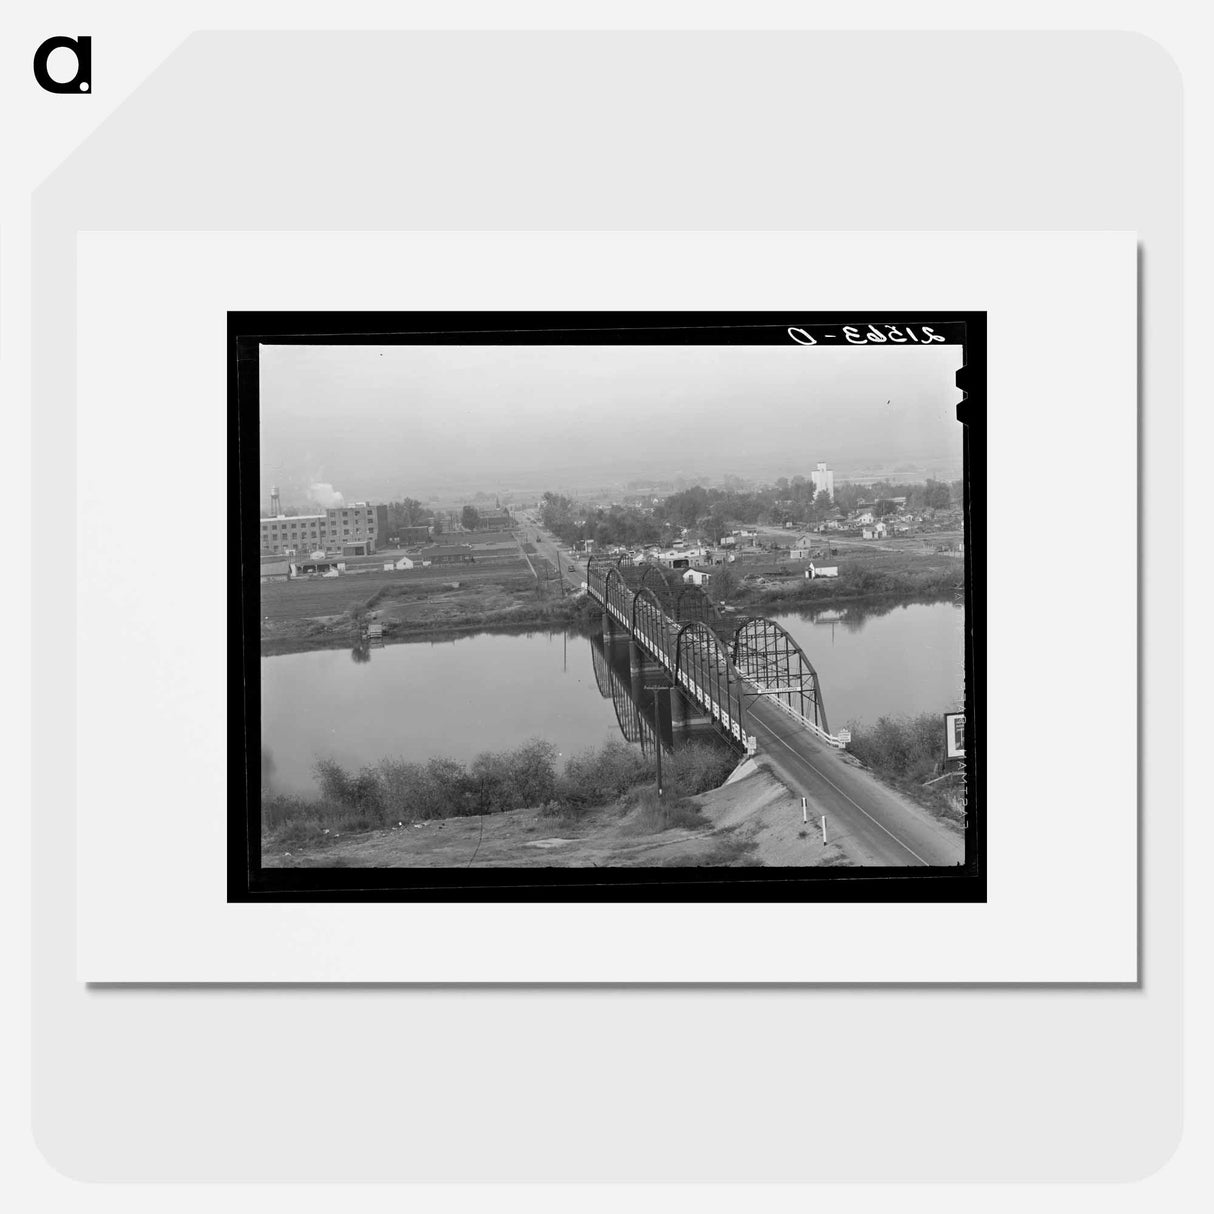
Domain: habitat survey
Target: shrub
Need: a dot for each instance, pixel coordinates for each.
(333, 779)
(654, 814)
(399, 791)
(696, 767)
(440, 788)
(288, 821)
(908, 748)
(362, 792)
(595, 777)
(512, 779)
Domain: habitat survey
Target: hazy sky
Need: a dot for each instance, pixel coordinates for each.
(381, 422)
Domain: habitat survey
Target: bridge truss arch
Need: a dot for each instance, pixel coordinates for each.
(626, 714)
(648, 621)
(652, 579)
(633, 723)
(693, 604)
(766, 655)
(602, 668)
(632, 572)
(616, 594)
(702, 667)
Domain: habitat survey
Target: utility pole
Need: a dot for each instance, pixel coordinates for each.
(657, 690)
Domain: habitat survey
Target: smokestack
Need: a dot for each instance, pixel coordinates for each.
(275, 504)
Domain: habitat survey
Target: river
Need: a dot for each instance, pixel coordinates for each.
(489, 691)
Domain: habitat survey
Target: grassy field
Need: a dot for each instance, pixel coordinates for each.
(497, 591)
(867, 570)
(481, 539)
(308, 598)
(506, 587)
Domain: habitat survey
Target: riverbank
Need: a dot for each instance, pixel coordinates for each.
(503, 594)
(345, 634)
(606, 789)
(749, 821)
(866, 575)
(518, 809)
(333, 613)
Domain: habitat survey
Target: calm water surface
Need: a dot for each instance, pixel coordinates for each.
(460, 697)
(908, 661)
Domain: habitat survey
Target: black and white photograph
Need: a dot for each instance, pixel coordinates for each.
(641, 604)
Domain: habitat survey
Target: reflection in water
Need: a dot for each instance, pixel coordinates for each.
(853, 617)
(647, 704)
(632, 702)
(461, 697)
(888, 659)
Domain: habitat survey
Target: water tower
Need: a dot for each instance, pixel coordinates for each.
(275, 504)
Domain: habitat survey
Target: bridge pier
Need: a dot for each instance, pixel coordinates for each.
(687, 719)
(640, 661)
(643, 674)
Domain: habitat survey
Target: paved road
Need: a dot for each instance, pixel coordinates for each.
(559, 557)
(872, 823)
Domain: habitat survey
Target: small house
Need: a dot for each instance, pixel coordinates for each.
(801, 549)
(317, 568)
(439, 554)
(697, 577)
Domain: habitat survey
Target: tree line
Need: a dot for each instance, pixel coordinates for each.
(713, 512)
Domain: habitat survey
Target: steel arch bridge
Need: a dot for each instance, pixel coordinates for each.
(759, 659)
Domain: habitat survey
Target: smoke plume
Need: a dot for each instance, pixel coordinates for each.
(323, 494)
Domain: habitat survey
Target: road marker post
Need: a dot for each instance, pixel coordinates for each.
(823, 830)
(804, 812)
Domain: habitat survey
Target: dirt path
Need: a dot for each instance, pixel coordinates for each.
(519, 839)
(756, 804)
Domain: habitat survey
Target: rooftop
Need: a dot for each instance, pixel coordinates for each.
(441, 550)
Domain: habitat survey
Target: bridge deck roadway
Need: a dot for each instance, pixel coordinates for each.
(872, 823)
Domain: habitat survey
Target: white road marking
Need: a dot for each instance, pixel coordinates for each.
(844, 795)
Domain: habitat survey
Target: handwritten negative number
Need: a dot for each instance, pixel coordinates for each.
(872, 335)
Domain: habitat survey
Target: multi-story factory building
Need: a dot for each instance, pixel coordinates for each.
(359, 526)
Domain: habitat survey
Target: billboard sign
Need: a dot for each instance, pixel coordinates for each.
(954, 735)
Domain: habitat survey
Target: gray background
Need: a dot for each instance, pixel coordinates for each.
(570, 131)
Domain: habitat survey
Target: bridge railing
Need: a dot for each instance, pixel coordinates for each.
(838, 740)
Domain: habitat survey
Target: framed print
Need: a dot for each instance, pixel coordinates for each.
(645, 498)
